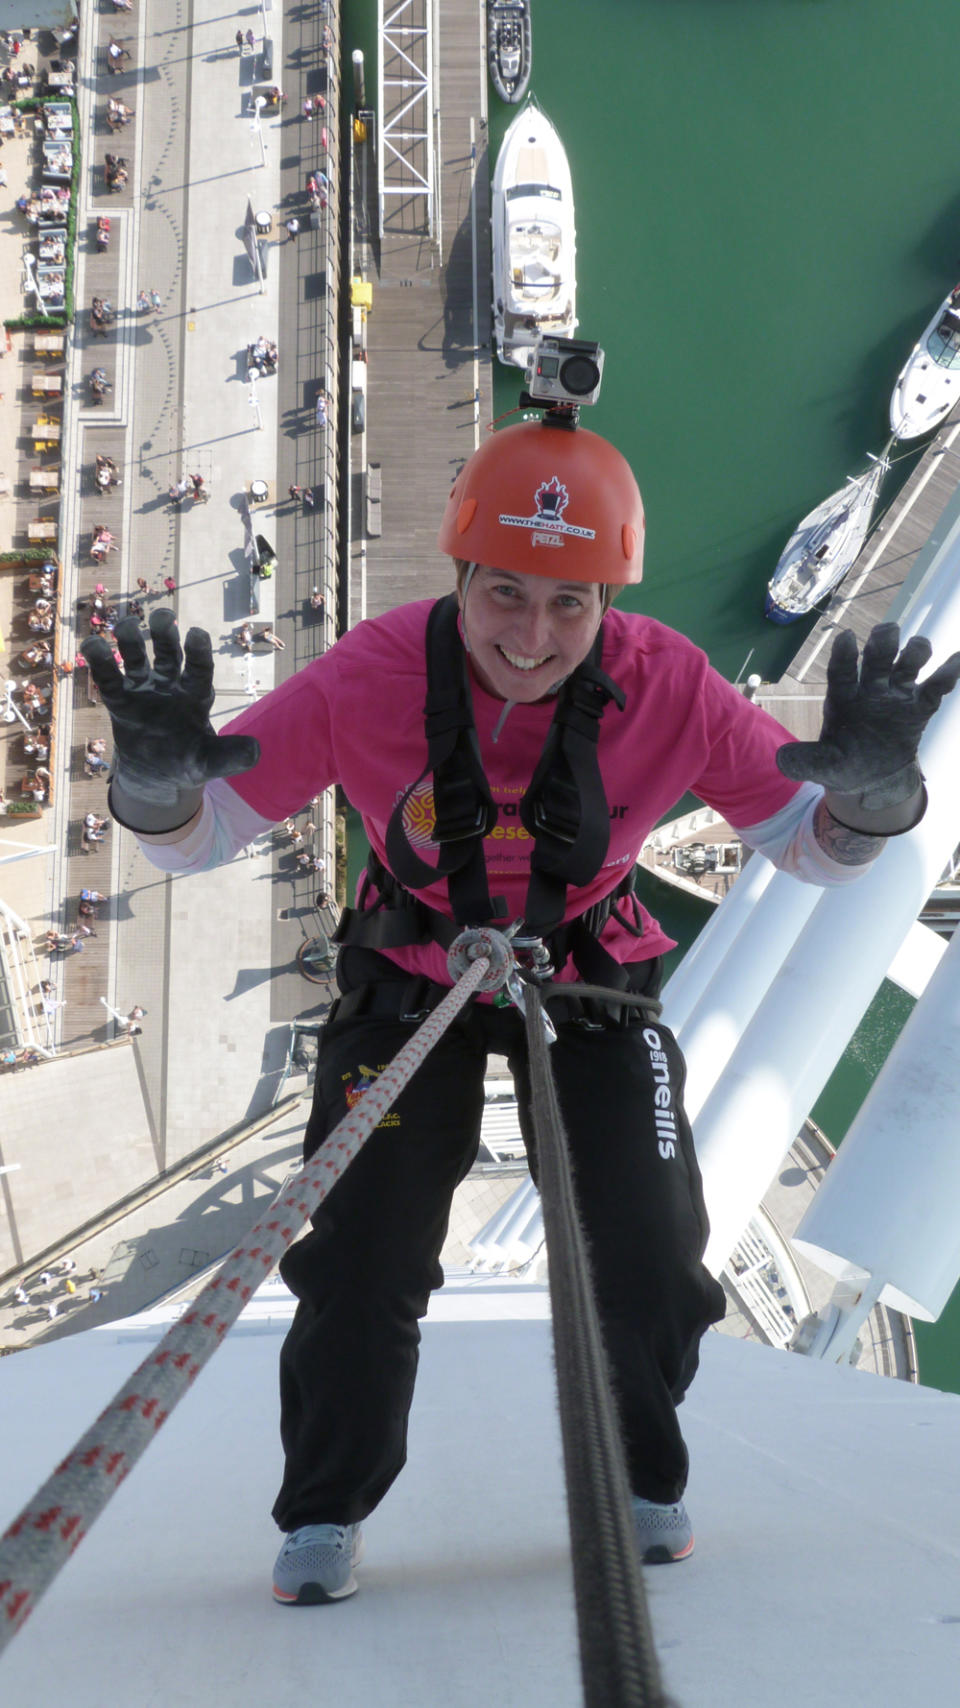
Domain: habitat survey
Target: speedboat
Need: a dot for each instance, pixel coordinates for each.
(824, 546)
(534, 238)
(929, 384)
(509, 47)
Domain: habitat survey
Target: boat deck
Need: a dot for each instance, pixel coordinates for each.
(892, 557)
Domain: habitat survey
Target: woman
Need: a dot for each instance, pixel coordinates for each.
(557, 732)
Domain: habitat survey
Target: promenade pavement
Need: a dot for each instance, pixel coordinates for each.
(199, 954)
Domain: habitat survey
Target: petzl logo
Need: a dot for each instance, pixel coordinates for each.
(551, 499)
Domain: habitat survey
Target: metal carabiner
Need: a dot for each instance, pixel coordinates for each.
(517, 994)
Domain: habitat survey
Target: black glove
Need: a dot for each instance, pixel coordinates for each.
(866, 756)
(165, 748)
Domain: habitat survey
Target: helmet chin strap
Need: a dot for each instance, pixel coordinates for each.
(471, 569)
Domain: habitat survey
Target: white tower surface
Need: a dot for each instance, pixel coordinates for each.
(825, 1501)
(889, 1207)
(776, 1007)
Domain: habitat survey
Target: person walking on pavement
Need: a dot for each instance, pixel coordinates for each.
(529, 648)
(293, 228)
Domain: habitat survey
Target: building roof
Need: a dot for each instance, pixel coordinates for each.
(825, 1503)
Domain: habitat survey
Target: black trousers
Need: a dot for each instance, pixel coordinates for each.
(363, 1276)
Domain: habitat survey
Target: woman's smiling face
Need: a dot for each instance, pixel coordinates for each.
(525, 633)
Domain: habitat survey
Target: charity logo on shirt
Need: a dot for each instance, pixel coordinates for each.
(353, 1090)
(419, 815)
(550, 499)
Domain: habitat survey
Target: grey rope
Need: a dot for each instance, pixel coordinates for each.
(618, 1660)
(603, 993)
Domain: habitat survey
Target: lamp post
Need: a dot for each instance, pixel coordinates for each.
(12, 714)
(254, 399)
(259, 102)
(34, 285)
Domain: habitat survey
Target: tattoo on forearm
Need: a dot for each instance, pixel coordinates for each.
(846, 847)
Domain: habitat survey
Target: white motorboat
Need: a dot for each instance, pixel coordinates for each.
(824, 546)
(929, 383)
(534, 238)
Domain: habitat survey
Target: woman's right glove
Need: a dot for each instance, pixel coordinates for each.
(165, 747)
(874, 715)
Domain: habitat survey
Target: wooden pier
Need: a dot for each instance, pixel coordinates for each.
(429, 380)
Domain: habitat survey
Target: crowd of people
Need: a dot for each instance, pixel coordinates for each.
(100, 611)
(59, 1285)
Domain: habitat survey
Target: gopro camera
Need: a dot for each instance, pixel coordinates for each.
(563, 371)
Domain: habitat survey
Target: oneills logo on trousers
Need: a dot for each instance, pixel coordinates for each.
(551, 499)
(663, 1107)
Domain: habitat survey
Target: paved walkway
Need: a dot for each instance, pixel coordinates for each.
(200, 955)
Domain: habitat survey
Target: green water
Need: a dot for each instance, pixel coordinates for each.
(768, 210)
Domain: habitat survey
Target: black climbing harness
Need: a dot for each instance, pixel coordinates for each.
(564, 809)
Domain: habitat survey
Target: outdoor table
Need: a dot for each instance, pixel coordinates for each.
(47, 383)
(52, 244)
(48, 344)
(46, 431)
(44, 480)
(45, 528)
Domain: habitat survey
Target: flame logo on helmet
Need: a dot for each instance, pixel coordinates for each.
(547, 524)
(551, 499)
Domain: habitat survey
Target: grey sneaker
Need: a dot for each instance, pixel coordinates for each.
(316, 1564)
(664, 1532)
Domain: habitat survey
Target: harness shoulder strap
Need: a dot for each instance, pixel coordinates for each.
(565, 808)
(464, 809)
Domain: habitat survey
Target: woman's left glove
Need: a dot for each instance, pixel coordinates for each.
(874, 715)
(165, 748)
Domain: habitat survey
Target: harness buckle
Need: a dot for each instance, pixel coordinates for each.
(531, 961)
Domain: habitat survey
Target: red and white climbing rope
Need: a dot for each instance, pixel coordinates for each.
(44, 1535)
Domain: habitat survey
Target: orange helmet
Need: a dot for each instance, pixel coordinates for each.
(545, 500)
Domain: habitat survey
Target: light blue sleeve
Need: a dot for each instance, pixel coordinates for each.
(787, 839)
(225, 825)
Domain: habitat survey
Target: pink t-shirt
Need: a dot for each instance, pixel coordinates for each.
(355, 717)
